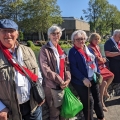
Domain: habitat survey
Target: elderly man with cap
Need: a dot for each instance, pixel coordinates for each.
(16, 100)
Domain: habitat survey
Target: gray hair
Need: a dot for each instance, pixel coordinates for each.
(78, 32)
(117, 31)
(53, 28)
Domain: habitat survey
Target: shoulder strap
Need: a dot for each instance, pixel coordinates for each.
(24, 72)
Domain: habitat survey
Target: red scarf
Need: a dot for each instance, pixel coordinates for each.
(97, 50)
(9, 57)
(119, 45)
(62, 60)
(88, 59)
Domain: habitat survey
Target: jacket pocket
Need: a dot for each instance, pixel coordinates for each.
(30, 63)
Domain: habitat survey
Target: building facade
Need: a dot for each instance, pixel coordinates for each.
(71, 24)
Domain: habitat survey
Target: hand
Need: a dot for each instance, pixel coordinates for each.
(104, 60)
(41, 103)
(3, 114)
(67, 82)
(87, 83)
(63, 85)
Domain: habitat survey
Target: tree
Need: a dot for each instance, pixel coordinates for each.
(39, 15)
(101, 15)
(32, 15)
(95, 11)
(81, 18)
(21, 36)
(10, 9)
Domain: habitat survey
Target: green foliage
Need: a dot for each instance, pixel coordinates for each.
(32, 46)
(40, 43)
(39, 15)
(31, 15)
(21, 36)
(66, 46)
(101, 15)
(30, 43)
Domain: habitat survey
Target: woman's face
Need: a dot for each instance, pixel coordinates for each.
(55, 37)
(95, 40)
(79, 40)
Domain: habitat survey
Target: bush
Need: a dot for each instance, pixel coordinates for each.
(21, 36)
(30, 43)
(40, 43)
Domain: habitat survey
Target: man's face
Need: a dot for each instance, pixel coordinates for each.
(8, 37)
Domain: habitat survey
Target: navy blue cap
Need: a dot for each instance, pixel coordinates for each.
(7, 23)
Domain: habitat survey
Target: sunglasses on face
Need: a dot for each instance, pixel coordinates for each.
(79, 39)
(4, 31)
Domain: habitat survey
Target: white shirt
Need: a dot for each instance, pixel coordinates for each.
(92, 57)
(56, 55)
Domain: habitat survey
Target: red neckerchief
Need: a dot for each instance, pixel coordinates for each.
(62, 60)
(119, 45)
(97, 50)
(88, 59)
(9, 57)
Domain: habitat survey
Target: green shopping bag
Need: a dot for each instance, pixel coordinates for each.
(71, 105)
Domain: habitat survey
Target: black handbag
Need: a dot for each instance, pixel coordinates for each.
(36, 87)
(38, 92)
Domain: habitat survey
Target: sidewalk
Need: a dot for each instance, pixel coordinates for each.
(113, 106)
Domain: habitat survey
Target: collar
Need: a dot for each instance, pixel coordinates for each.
(14, 49)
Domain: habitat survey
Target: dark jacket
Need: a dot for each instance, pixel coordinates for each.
(114, 62)
(78, 66)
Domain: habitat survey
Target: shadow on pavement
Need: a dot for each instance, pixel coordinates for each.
(113, 102)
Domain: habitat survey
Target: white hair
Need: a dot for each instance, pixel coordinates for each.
(78, 32)
(117, 31)
(53, 28)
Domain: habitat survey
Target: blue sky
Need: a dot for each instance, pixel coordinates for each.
(73, 8)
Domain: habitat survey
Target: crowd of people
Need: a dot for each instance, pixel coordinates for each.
(56, 71)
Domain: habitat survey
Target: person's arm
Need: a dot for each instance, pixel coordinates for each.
(111, 54)
(100, 60)
(46, 70)
(67, 72)
(108, 49)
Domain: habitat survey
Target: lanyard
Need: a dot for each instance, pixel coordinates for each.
(115, 44)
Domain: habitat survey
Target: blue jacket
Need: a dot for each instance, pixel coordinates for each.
(78, 66)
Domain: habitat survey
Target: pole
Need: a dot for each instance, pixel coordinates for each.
(112, 28)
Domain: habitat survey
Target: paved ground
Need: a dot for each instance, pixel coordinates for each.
(113, 106)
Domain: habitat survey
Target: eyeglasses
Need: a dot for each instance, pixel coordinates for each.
(96, 39)
(55, 33)
(79, 39)
(4, 31)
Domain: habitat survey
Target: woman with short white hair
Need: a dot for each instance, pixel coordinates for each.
(83, 67)
(55, 69)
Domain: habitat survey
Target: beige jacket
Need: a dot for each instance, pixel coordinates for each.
(48, 65)
(7, 84)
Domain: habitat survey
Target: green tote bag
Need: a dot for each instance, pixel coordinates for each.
(71, 105)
